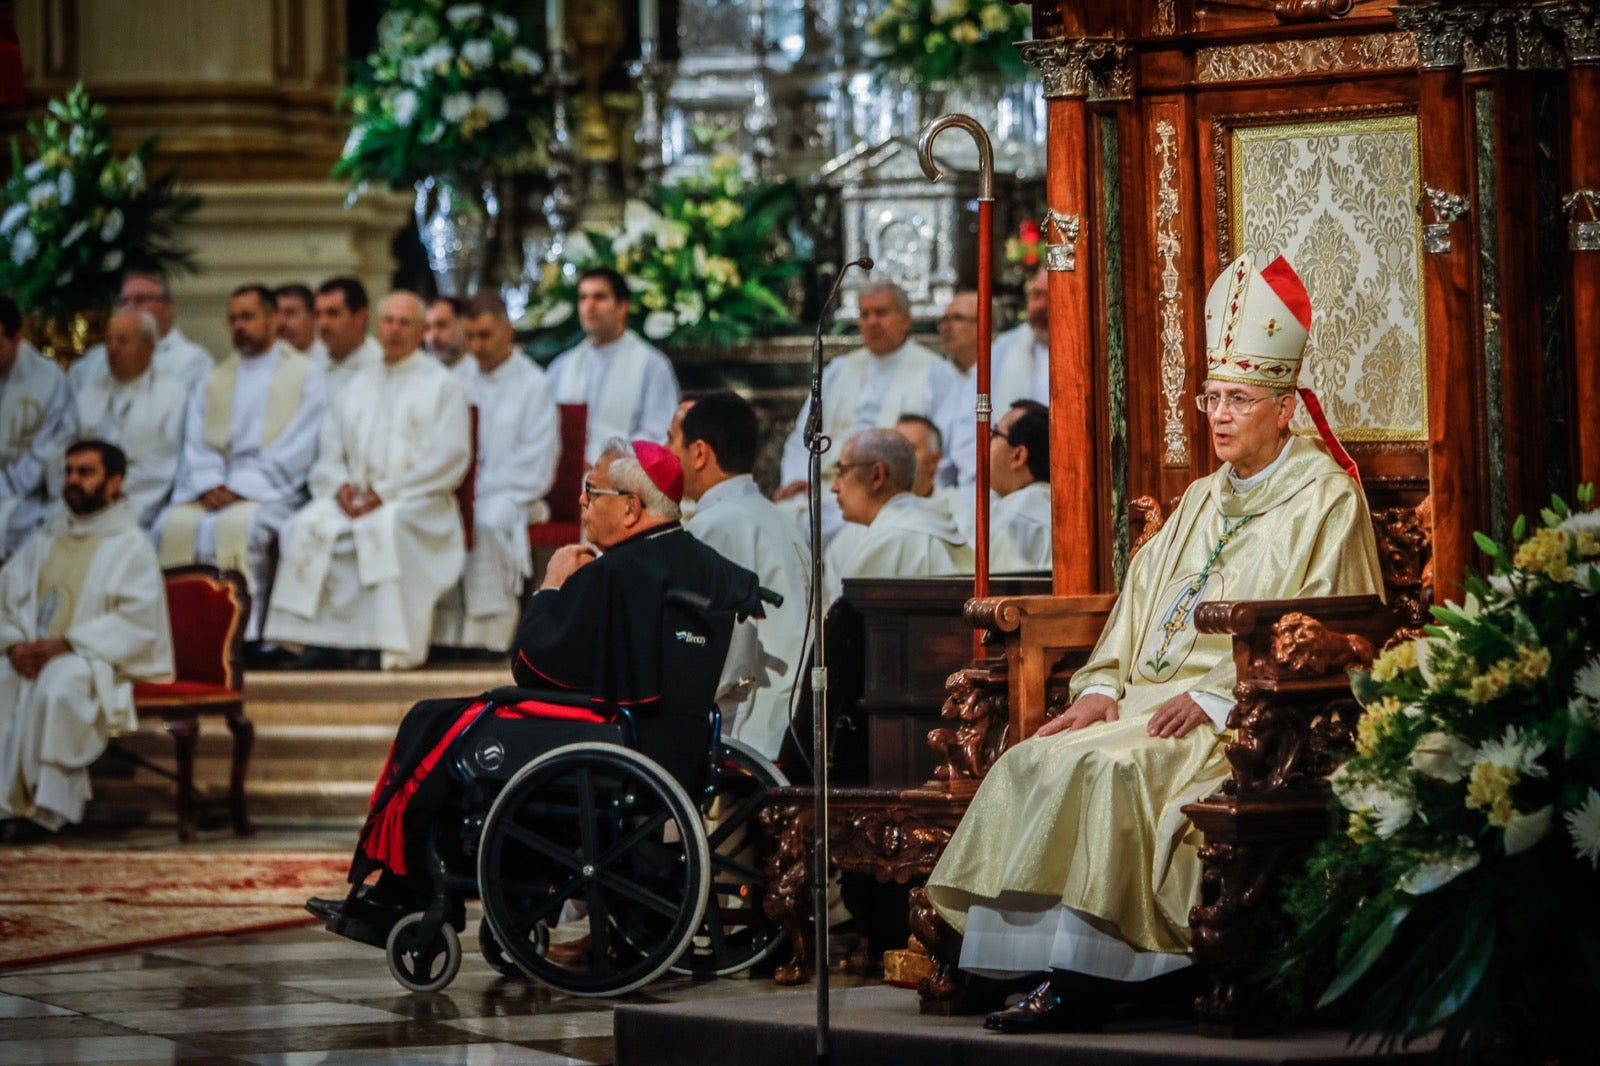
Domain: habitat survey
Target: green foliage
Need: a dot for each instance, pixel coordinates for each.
(940, 40)
(78, 217)
(450, 89)
(1466, 870)
(708, 260)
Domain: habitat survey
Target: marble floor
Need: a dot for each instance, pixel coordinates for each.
(303, 996)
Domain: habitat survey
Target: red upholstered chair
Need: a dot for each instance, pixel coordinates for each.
(563, 527)
(207, 609)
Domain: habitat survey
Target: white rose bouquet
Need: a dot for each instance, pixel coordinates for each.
(708, 260)
(1461, 893)
(77, 216)
(450, 89)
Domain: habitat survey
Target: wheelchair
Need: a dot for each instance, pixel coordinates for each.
(599, 866)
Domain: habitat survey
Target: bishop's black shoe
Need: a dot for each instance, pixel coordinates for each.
(1048, 1009)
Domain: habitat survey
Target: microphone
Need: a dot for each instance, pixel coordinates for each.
(814, 419)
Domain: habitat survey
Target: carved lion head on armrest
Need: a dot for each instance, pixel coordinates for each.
(1301, 646)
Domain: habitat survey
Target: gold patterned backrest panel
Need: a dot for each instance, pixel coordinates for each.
(1338, 198)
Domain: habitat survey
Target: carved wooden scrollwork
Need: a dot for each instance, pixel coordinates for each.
(942, 989)
(1239, 931)
(787, 866)
(977, 705)
(1145, 512)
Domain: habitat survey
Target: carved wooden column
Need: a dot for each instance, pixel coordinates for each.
(1456, 451)
(1579, 24)
(1074, 70)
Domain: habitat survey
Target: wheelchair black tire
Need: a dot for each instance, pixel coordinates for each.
(422, 967)
(722, 945)
(603, 812)
(493, 953)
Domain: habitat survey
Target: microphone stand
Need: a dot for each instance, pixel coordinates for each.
(816, 444)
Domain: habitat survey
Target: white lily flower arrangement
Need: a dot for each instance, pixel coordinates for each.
(1461, 888)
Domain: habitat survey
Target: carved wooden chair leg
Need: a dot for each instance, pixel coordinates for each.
(244, 739)
(185, 732)
(948, 989)
(786, 900)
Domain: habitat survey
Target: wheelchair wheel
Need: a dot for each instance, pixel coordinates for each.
(423, 966)
(603, 837)
(493, 953)
(735, 934)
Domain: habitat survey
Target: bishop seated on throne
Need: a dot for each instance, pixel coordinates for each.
(1075, 859)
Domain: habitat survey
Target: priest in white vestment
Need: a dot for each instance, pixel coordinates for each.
(888, 376)
(177, 357)
(519, 441)
(37, 419)
(83, 615)
(906, 535)
(1075, 856)
(363, 564)
(250, 434)
(715, 438)
(297, 320)
(1019, 476)
(139, 409)
(446, 338)
(1019, 369)
(628, 385)
(347, 350)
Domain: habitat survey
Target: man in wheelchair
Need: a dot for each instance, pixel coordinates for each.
(624, 642)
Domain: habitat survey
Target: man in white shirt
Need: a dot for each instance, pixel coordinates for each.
(250, 434)
(628, 385)
(519, 441)
(888, 376)
(297, 319)
(1019, 474)
(177, 357)
(363, 564)
(342, 328)
(715, 439)
(1019, 369)
(139, 409)
(906, 536)
(446, 338)
(83, 614)
(37, 420)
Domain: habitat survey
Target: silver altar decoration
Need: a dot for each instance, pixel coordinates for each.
(1447, 207)
(652, 75)
(1583, 235)
(456, 218)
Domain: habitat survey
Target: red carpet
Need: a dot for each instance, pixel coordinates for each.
(57, 902)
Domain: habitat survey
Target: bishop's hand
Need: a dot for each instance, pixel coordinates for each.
(565, 562)
(1087, 710)
(1177, 718)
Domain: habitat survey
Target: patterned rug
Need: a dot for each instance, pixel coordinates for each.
(58, 902)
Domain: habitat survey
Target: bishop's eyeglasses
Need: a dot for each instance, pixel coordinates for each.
(1236, 403)
(591, 490)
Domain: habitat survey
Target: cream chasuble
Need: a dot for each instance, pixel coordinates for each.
(628, 385)
(94, 581)
(747, 528)
(144, 417)
(251, 426)
(1074, 853)
(519, 441)
(372, 582)
(37, 421)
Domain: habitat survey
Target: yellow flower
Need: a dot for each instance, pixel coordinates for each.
(1532, 663)
(1486, 687)
(1372, 723)
(995, 18)
(1359, 829)
(1586, 544)
(1545, 553)
(1490, 787)
(965, 33)
(1394, 661)
(908, 33)
(724, 213)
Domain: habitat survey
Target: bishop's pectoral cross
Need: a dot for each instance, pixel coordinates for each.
(1178, 620)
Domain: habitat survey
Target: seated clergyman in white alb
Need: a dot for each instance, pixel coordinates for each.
(519, 441)
(37, 420)
(888, 376)
(1075, 857)
(140, 409)
(249, 437)
(297, 319)
(1019, 369)
(906, 535)
(628, 385)
(177, 357)
(83, 614)
(1019, 474)
(715, 438)
(362, 565)
(342, 328)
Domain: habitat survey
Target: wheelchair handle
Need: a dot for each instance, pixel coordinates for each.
(769, 597)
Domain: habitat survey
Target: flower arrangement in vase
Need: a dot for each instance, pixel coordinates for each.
(950, 40)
